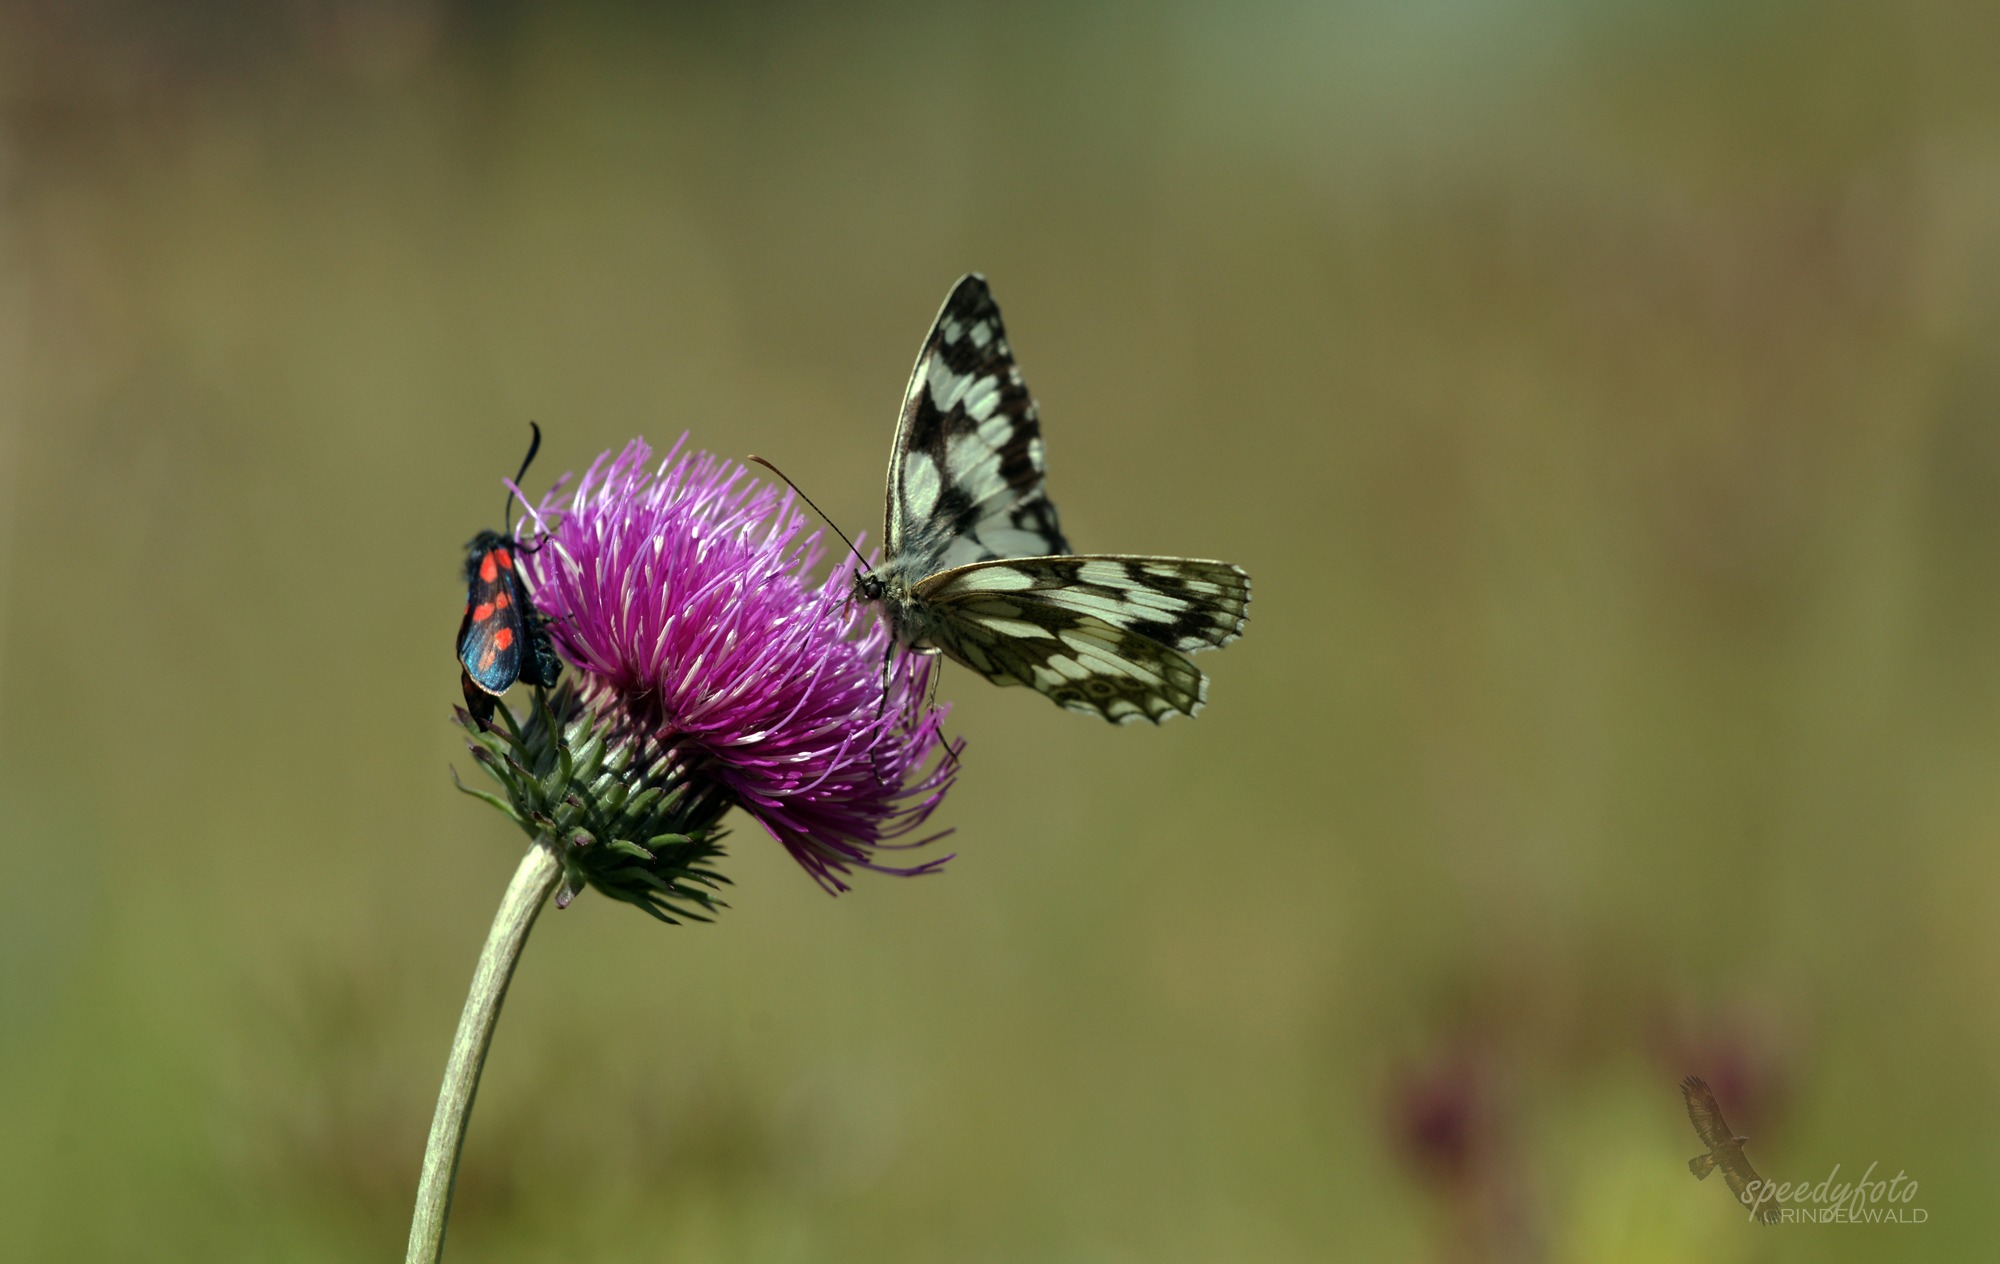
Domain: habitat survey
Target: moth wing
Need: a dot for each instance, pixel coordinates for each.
(492, 633)
(478, 703)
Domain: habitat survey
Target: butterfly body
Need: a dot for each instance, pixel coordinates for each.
(976, 566)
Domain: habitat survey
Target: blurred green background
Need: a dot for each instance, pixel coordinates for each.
(1605, 398)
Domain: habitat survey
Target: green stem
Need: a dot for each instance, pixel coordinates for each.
(540, 870)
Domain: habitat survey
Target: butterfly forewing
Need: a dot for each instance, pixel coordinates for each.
(965, 471)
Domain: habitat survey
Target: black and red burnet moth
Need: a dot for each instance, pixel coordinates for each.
(502, 638)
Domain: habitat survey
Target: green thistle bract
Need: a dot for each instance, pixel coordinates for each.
(625, 813)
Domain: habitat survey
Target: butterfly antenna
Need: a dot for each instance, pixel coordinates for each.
(815, 508)
(534, 446)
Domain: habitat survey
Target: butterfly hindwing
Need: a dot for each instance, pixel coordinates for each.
(1183, 603)
(1105, 635)
(966, 468)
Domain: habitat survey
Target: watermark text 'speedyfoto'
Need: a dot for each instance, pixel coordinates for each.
(1834, 1201)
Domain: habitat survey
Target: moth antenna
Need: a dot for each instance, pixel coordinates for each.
(534, 446)
(530, 514)
(816, 509)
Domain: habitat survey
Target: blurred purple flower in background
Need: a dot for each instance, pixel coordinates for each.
(1453, 1118)
(681, 595)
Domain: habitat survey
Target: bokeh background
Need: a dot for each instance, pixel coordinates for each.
(1605, 398)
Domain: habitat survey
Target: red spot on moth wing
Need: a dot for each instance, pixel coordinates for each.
(486, 659)
(481, 613)
(501, 640)
(489, 570)
(506, 558)
(500, 601)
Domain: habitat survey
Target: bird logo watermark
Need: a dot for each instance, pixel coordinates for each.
(1828, 1201)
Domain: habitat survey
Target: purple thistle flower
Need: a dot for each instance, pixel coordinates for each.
(681, 595)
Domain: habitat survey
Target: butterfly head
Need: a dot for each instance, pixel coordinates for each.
(868, 586)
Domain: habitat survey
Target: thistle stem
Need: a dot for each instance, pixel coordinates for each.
(539, 872)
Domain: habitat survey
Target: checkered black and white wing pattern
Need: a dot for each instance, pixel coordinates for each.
(1103, 635)
(965, 472)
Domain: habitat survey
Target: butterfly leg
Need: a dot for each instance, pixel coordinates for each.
(937, 669)
(888, 665)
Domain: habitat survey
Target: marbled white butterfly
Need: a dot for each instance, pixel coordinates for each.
(976, 568)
